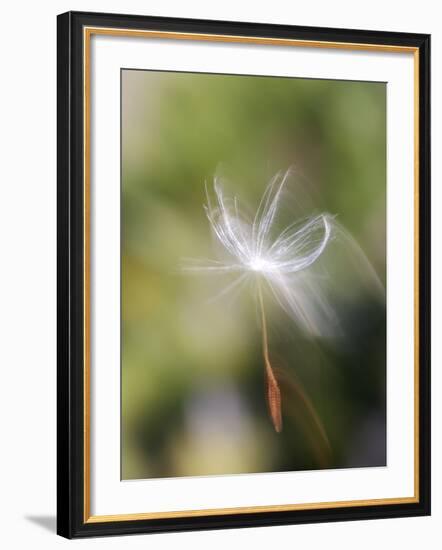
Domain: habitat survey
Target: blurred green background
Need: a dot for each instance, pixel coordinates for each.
(192, 371)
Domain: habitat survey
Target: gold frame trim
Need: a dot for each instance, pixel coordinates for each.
(87, 34)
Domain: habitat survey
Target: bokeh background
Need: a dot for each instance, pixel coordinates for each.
(192, 371)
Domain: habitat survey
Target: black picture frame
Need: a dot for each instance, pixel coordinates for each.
(72, 521)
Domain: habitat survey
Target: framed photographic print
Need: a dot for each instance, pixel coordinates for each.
(243, 274)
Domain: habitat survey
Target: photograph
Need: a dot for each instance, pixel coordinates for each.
(220, 263)
(244, 274)
(253, 274)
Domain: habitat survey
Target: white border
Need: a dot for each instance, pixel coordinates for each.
(108, 494)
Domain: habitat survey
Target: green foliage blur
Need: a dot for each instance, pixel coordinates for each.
(193, 394)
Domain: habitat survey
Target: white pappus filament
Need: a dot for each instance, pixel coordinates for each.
(253, 249)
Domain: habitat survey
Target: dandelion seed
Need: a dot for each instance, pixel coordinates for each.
(254, 253)
(280, 259)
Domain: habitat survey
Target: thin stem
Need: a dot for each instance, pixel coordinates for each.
(273, 391)
(317, 436)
